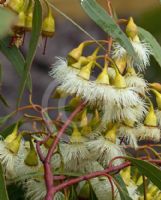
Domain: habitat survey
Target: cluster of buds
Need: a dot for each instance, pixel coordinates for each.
(24, 11)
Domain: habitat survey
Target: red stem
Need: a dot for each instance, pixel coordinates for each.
(48, 175)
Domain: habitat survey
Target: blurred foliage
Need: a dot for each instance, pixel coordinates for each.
(150, 21)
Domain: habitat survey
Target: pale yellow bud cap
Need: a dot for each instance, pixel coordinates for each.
(74, 101)
(31, 158)
(119, 80)
(13, 135)
(130, 71)
(158, 98)
(76, 135)
(103, 77)
(126, 175)
(15, 144)
(156, 86)
(129, 123)
(111, 134)
(121, 64)
(16, 5)
(131, 28)
(151, 119)
(81, 62)
(48, 25)
(86, 71)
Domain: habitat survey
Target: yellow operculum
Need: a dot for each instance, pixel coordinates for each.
(156, 86)
(131, 28)
(49, 142)
(130, 71)
(121, 64)
(21, 20)
(93, 56)
(158, 98)
(31, 158)
(29, 16)
(119, 80)
(151, 119)
(14, 145)
(76, 53)
(76, 135)
(84, 119)
(48, 26)
(139, 181)
(103, 77)
(126, 175)
(95, 119)
(74, 101)
(86, 70)
(81, 62)
(129, 123)
(16, 5)
(111, 134)
(13, 135)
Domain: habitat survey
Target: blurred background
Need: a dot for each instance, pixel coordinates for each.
(147, 13)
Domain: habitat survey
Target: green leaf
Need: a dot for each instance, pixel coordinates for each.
(149, 170)
(3, 190)
(156, 48)
(122, 189)
(35, 34)
(13, 54)
(6, 20)
(105, 21)
(3, 100)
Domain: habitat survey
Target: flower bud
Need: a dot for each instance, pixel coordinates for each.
(74, 101)
(131, 28)
(13, 135)
(29, 16)
(103, 77)
(84, 119)
(129, 123)
(130, 71)
(96, 119)
(16, 5)
(76, 135)
(48, 26)
(126, 175)
(81, 62)
(156, 86)
(158, 98)
(21, 20)
(31, 158)
(76, 53)
(14, 145)
(111, 134)
(121, 64)
(86, 71)
(119, 80)
(151, 119)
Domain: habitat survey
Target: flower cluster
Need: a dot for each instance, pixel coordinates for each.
(118, 112)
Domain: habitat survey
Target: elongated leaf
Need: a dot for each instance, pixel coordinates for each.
(150, 171)
(13, 54)
(3, 191)
(156, 48)
(122, 189)
(7, 18)
(102, 19)
(5, 118)
(35, 34)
